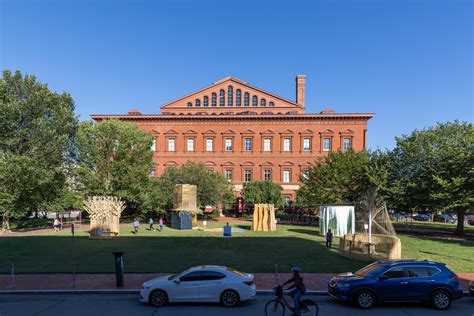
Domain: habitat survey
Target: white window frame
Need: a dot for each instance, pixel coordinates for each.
(249, 139)
(228, 172)
(265, 175)
(171, 144)
(209, 144)
(306, 144)
(153, 145)
(287, 144)
(284, 178)
(348, 139)
(190, 144)
(231, 146)
(249, 172)
(267, 144)
(328, 139)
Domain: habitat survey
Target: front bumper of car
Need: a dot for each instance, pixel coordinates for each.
(339, 292)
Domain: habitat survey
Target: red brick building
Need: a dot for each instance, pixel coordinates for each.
(247, 133)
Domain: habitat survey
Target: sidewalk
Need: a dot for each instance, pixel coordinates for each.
(134, 281)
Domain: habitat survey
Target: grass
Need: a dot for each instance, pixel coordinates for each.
(436, 226)
(174, 250)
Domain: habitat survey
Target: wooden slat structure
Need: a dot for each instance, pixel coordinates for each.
(264, 218)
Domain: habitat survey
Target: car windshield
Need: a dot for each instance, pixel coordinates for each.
(174, 276)
(370, 271)
(171, 277)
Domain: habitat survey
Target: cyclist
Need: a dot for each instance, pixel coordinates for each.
(298, 289)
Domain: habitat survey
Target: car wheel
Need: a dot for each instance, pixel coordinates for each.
(230, 298)
(158, 298)
(365, 299)
(441, 300)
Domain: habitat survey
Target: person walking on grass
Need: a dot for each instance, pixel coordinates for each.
(56, 224)
(160, 222)
(329, 239)
(136, 224)
(150, 221)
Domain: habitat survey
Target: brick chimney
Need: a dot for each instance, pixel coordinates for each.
(300, 87)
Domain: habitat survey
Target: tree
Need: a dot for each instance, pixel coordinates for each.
(212, 187)
(114, 158)
(434, 169)
(263, 192)
(338, 178)
(37, 128)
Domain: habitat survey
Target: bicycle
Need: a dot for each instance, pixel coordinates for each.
(278, 306)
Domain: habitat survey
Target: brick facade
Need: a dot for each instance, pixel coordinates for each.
(273, 141)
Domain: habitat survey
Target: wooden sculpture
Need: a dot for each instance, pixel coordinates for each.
(104, 213)
(264, 218)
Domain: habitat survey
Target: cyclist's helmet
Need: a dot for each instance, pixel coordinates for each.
(295, 270)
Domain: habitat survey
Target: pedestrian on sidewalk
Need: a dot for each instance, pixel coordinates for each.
(136, 225)
(329, 239)
(150, 221)
(160, 222)
(56, 224)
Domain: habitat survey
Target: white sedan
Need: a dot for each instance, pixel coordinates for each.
(200, 284)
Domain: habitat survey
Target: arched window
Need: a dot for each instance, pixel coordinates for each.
(263, 103)
(254, 100)
(238, 97)
(214, 99)
(206, 101)
(246, 99)
(222, 97)
(271, 104)
(198, 102)
(230, 96)
(190, 105)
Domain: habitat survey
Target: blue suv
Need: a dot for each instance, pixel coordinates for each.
(397, 281)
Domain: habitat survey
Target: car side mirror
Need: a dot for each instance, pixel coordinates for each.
(177, 281)
(383, 277)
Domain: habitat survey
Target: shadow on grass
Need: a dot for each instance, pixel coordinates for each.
(53, 254)
(305, 231)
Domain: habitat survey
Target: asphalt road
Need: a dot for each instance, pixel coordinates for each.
(127, 304)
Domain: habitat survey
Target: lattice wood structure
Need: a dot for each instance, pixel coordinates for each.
(264, 218)
(104, 213)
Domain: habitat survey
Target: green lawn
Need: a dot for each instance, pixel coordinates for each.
(437, 226)
(173, 250)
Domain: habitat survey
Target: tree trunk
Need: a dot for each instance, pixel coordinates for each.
(5, 222)
(460, 227)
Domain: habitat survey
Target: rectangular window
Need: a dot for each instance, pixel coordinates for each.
(305, 174)
(286, 176)
(247, 175)
(171, 144)
(267, 175)
(190, 144)
(209, 144)
(286, 144)
(346, 144)
(153, 145)
(326, 144)
(228, 175)
(306, 144)
(248, 144)
(228, 144)
(267, 144)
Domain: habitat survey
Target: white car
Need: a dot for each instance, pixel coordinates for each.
(205, 283)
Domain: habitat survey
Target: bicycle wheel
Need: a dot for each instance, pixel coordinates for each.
(312, 308)
(274, 308)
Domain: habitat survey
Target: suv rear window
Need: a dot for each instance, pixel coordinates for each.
(417, 272)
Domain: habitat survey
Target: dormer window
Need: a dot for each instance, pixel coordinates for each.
(254, 100)
(198, 102)
(263, 103)
(246, 99)
(230, 96)
(206, 101)
(190, 105)
(222, 98)
(271, 104)
(214, 99)
(238, 97)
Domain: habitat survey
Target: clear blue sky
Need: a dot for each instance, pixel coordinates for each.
(410, 62)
